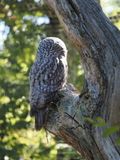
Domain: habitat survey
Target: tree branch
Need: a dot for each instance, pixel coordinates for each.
(98, 43)
(68, 122)
(97, 40)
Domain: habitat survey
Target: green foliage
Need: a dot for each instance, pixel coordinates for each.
(97, 122)
(65, 152)
(118, 141)
(17, 137)
(112, 10)
(111, 130)
(108, 130)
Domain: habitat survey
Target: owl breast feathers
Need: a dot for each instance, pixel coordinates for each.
(48, 75)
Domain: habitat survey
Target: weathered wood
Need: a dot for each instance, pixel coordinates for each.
(98, 42)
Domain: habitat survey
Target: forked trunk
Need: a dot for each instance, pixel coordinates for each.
(98, 42)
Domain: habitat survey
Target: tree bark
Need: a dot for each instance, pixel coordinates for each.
(98, 43)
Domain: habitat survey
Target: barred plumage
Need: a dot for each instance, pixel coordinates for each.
(48, 75)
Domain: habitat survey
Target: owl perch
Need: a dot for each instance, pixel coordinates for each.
(98, 43)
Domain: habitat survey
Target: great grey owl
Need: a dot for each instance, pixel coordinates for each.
(47, 76)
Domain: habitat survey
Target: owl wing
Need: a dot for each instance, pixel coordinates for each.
(46, 79)
(51, 75)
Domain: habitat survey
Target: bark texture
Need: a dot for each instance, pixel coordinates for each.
(98, 42)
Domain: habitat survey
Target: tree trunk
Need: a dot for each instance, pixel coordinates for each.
(98, 43)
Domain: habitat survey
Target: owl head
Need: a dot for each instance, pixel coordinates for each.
(52, 46)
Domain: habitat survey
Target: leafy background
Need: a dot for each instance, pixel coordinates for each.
(22, 25)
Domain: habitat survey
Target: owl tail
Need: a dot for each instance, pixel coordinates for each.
(39, 119)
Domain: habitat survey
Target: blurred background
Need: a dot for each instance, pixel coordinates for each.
(22, 24)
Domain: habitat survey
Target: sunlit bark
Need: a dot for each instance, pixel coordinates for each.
(98, 43)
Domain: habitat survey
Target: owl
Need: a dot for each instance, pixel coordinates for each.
(48, 75)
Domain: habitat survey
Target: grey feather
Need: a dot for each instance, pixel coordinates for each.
(48, 75)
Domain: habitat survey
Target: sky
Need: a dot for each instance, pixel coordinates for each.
(4, 30)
